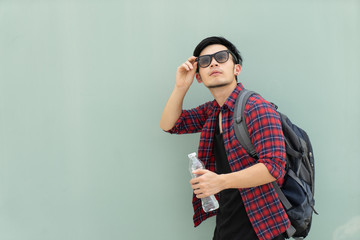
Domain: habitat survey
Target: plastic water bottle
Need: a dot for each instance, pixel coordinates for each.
(209, 203)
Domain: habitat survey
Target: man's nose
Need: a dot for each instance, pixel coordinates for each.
(213, 62)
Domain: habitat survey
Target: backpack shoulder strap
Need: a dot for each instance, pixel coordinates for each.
(239, 123)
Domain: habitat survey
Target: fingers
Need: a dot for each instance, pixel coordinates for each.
(192, 59)
(190, 64)
(199, 188)
(198, 191)
(194, 182)
(201, 193)
(206, 184)
(196, 185)
(200, 171)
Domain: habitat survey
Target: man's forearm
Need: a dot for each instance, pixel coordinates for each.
(255, 175)
(173, 108)
(210, 183)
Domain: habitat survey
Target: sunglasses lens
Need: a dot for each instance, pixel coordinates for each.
(204, 61)
(221, 57)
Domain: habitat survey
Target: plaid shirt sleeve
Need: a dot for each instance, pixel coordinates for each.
(266, 134)
(191, 121)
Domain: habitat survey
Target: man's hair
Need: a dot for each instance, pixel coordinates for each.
(218, 40)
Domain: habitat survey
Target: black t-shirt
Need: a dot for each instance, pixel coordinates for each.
(232, 221)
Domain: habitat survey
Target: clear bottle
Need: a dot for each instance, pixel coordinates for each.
(209, 203)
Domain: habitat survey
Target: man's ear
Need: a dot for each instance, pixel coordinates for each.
(237, 69)
(198, 77)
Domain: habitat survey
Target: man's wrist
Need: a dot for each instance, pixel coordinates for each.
(181, 90)
(224, 181)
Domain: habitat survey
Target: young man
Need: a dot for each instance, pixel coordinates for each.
(249, 206)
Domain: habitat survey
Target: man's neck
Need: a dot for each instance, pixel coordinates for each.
(221, 94)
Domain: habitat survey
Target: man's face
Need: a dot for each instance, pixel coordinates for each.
(217, 74)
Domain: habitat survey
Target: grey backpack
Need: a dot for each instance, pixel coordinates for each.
(297, 192)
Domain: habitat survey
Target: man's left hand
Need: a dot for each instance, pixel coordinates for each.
(207, 184)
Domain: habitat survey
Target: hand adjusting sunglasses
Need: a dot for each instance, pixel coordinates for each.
(221, 57)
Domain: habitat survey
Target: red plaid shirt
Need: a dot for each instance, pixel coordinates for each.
(262, 204)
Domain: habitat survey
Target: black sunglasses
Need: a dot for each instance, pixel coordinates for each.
(221, 57)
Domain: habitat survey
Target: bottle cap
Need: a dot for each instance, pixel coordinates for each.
(191, 155)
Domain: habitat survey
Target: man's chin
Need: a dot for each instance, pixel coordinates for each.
(219, 85)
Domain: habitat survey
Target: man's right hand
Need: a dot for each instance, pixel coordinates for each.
(173, 108)
(185, 73)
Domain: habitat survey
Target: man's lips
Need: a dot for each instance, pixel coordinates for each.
(215, 72)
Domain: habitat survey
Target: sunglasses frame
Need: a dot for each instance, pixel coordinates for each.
(213, 56)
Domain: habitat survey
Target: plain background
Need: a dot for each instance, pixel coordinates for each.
(83, 85)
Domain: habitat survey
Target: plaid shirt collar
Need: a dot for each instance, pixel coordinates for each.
(230, 102)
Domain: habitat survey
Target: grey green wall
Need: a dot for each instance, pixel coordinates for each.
(83, 85)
